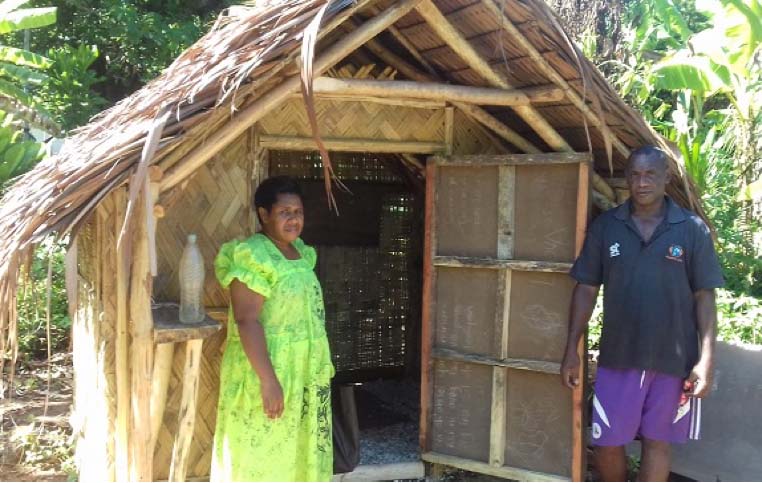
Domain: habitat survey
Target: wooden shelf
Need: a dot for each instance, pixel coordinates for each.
(168, 328)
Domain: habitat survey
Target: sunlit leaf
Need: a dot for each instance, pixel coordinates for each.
(27, 18)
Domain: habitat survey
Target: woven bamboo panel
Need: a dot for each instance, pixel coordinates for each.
(214, 206)
(469, 137)
(200, 456)
(357, 120)
(94, 384)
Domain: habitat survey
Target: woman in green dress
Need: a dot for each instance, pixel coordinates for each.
(274, 414)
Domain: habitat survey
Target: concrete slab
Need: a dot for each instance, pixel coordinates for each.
(730, 448)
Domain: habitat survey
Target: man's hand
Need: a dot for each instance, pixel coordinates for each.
(570, 369)
(272, 398)
(699, 382)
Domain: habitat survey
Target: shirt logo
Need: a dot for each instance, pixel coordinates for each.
(614, 250)
(675, 253)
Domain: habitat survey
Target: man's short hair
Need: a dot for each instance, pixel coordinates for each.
(651, 153)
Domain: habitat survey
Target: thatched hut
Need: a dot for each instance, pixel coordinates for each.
(473, 135)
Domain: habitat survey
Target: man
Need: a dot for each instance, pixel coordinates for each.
(659, 270)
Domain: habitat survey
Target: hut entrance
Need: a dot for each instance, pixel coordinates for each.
(370, 267)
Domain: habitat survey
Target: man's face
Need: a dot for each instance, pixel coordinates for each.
(647, 179)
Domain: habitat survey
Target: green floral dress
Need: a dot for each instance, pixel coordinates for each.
(248, 446)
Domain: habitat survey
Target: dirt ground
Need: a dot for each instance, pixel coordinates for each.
(35, 437)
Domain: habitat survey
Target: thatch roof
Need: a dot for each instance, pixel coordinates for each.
(251, 51)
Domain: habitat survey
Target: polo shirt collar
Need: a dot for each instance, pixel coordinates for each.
(675, 214)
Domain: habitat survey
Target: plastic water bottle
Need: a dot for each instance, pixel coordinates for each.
(191, 283)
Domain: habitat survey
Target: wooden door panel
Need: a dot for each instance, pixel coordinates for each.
(466, 211)
(546, 208)
(501, 233)
(537, 427)
(461, 410)
(465, 313)
(539, 308)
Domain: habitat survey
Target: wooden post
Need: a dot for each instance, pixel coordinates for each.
(449, 129)
(162, 370)
(121, 345)
(187, 417)
(428, 308)
(269, 100)
(578, 393)
(141, 327)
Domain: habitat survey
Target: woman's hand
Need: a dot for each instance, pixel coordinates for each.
(272, 398)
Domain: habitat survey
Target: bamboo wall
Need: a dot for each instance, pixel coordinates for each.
(93, 328)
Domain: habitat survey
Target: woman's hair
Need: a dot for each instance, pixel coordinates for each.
(268, 190)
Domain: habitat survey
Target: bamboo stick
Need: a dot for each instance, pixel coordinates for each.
(141, 459)
(506, 472)
(187, 417)
(121, 346)
(438, 92)
(296, 143)
(494, 263)
(267, 101)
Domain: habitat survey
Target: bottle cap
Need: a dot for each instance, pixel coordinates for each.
(192, 238)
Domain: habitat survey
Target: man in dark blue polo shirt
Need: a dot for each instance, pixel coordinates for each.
(659, 270)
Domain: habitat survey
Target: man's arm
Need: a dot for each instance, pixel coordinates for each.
(582, 306)
(706, 321)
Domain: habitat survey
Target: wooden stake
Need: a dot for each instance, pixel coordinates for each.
(187, 418)
(267, 101)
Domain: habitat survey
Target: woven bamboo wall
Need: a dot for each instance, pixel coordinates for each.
(358, 120)
(469, 137)
(93, 346)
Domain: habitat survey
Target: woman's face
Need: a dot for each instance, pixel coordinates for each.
(285, 220)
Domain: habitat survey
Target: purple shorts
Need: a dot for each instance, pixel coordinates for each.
(631, 402)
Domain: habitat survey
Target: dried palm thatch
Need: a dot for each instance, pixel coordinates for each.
(251, 50)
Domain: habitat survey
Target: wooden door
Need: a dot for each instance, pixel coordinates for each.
(501, 235)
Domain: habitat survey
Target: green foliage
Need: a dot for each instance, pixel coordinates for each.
(68, 94)
(693, 69)
(17, 153)
(32, 303)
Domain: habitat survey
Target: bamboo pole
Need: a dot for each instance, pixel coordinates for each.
(437, 91)
(187, 416)
(121, 346)
(267, 101)
(296, 143)
(545, 67)
(141, 325)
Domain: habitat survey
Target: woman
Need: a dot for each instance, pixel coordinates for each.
(274, 414)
